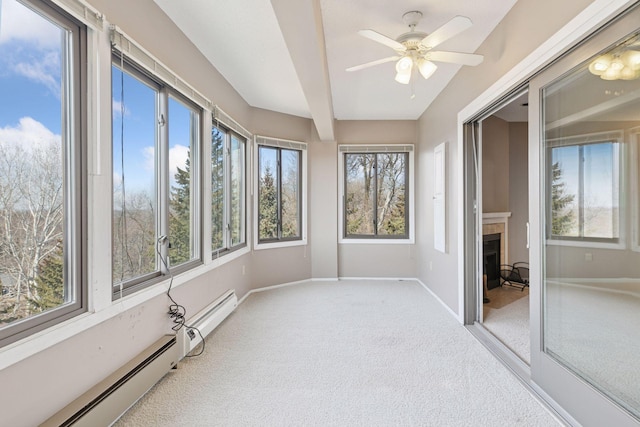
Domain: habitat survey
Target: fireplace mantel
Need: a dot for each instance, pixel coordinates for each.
(495, 217)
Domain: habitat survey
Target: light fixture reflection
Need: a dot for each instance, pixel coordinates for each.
(622, 65)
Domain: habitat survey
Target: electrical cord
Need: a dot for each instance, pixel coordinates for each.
(177, 312)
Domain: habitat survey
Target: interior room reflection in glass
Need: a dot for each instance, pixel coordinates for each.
(591, 257)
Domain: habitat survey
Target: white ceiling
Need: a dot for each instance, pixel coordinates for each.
(516, 110)
(290, 56)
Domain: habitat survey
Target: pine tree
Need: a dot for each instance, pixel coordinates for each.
(180, 216)
(268, 205)
(217, 189)
(563, 219)
(49, 283)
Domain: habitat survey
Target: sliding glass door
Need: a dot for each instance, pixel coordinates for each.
(585, 254)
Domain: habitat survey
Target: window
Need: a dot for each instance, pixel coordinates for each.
(41, 163)
(280, 206)
(376, 198)
(585, 190)
(228, 183)
(156, 138)
(184, 138)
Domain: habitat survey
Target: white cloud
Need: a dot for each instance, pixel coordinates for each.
(117, 179)
(119, 109)
(28, 134)
(34, 45)
(42, 71)
(17, 22)
(178, 156)
(148, 153)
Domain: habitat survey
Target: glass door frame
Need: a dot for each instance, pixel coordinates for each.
(473, 242)
(594, 17)
(586, 404)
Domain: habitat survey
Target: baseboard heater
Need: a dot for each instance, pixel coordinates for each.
(104, 403)
(206, 321)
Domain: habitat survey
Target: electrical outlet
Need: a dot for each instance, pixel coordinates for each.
(588, 256)
(191, 334)
(430, 265)
(243, 270)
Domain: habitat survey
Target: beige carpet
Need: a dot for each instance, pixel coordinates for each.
(348, 353)
(510, 322)
(597, 334)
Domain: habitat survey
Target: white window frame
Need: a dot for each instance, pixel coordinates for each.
(229, 131)
(144, 64)
(74, 81)
(410, 192)
(289, 145)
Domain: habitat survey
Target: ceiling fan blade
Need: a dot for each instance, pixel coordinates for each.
(457, 25)
(381, 38)
(372, 63)
(455, 57)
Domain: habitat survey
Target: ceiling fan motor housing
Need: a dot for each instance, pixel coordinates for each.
(411, 40)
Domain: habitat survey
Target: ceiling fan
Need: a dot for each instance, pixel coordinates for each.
(415, 48)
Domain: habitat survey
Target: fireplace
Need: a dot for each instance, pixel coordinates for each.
(491, 259)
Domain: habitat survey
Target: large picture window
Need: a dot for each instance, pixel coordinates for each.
(375, 195)
(156, 138)
(41, 162)
(228, 184)
(585, 189)
(280, 208)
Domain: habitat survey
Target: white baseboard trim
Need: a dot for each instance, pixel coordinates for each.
(300, 282)
(268, 288)
(453, 313)
(376, 278)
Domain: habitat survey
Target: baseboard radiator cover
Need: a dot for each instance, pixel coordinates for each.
(206, 320)
(104, 403)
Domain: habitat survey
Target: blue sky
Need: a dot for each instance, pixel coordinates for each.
(30, 106)
(139, 112)
(29, 76)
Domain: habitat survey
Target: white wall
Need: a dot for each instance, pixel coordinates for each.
(323, 211)
(376, 260)
(495, 165)
(518, 191)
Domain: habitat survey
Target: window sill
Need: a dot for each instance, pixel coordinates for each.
(587, 244)
(221, 258)
(283, 244)
(373, 241)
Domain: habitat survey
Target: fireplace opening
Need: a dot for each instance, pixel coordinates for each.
(491, 259)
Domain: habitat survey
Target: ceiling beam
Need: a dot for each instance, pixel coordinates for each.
(301, 25)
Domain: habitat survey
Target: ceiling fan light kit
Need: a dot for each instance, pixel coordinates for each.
(404, 67)
(414, 48)
(427, 68)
